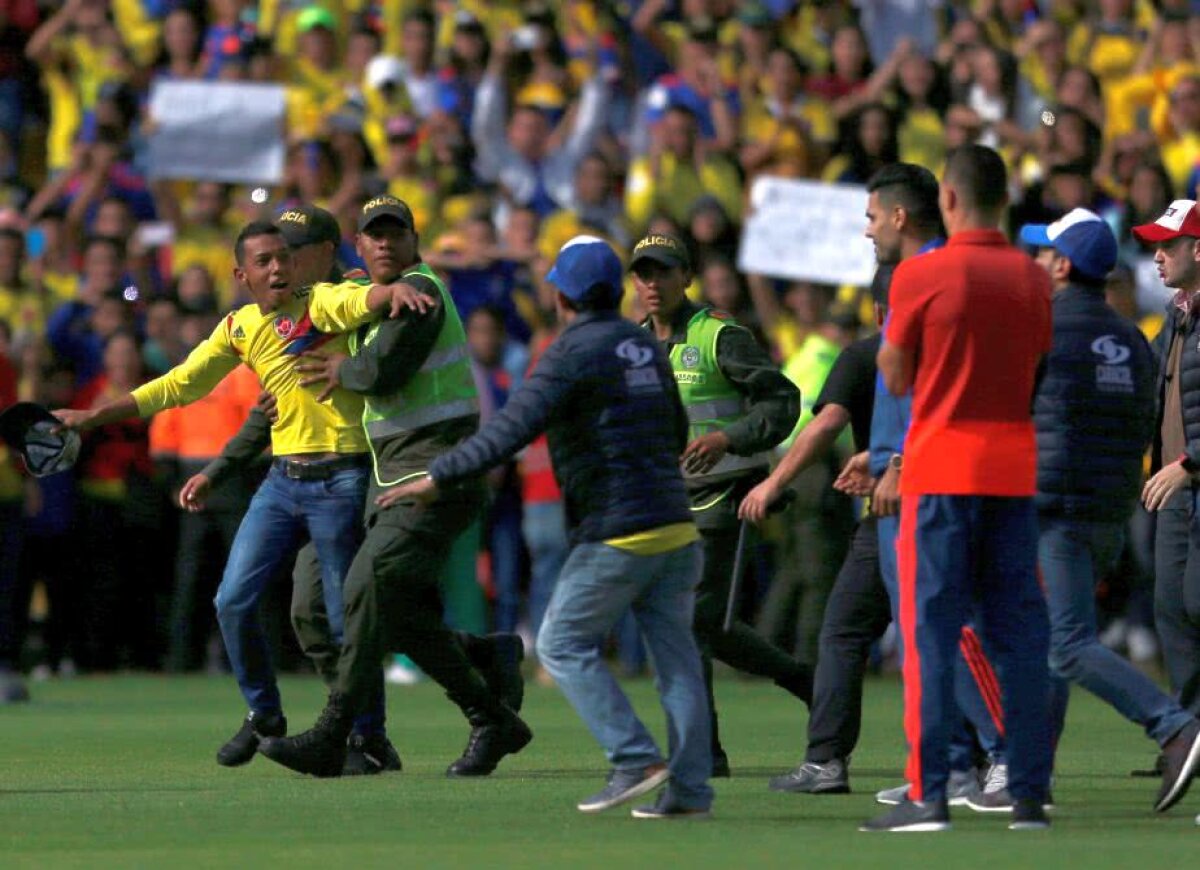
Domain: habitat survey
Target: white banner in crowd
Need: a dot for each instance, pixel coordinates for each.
(217, 131)
(807, 231)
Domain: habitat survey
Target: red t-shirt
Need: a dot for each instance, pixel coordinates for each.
(976, 315)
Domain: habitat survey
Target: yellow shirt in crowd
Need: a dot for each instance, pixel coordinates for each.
(270, 345)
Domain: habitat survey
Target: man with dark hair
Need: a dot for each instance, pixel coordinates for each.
(903, 221)
(739, 406)
(318, 476)
(604, 394)
(1094, 414)
(420, 401)
(969, 326)
(312, 234)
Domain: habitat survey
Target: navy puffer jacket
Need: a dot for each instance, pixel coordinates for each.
(605, 395)
(1094, 410)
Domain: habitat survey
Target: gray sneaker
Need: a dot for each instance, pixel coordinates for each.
(625, 785)
(960, 787)
(994, 797)
(811, 777)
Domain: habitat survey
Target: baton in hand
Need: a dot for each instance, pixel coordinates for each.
(739, 558)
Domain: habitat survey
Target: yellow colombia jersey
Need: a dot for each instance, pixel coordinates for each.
(270, 345)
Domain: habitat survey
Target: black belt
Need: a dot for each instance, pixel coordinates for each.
(319, 469)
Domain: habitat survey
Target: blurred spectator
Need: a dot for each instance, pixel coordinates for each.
(113, 467)
(183, 441)
(502, 521)
(784, 131)
(78, 330)
(870, 141)
(13, 605)
(532, 162)
(679, 170)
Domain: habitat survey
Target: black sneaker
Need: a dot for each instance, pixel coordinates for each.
(367, 755)
(1182, 754)
(319, 751)
(241, 746)
(625, 785)
(490, 742)
(666, 808)
(1028, 815)
(1160, 765)
(911, 817)
(720, 767)
(812, 777)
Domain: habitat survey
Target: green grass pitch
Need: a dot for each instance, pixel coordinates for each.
(119, 772)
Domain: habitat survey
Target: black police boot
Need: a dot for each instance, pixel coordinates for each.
(369, 754)
(241, 746)
(494, 734)
(321, 750)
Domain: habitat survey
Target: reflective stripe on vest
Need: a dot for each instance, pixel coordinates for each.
(422, 417)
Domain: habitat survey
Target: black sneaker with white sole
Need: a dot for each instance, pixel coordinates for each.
(912, 817)
(240, 748)
(1028, 814)
(811, 777)
(1181, 757)
(625, 785)
(369, 754)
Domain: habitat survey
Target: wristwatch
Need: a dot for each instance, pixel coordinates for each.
(896, 461)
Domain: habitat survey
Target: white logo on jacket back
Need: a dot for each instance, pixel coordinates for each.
(1111, 375)
(640, 376)
(1113, 352)
(635, 353)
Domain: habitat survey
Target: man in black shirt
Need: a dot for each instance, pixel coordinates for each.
(857, 612)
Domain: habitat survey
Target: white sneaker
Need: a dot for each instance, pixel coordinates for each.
(1115, 636)
(399, 674)
(995, 797)
(1143, 645)
(960, 788)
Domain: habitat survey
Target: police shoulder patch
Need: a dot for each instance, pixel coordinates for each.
(355, 275)
(719, 314)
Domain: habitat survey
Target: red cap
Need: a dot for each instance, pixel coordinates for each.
(1181, 218)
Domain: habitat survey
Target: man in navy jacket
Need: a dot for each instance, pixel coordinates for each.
(1094, 414)
(605, 396)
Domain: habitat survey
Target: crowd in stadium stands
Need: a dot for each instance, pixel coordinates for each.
(509, 128)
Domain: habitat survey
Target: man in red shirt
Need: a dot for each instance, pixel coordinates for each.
(970, 324)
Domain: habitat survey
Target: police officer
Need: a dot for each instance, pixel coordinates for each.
(739, 406)
(421, 401)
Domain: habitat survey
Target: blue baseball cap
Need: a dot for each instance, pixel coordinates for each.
(1082, 237)
(584, 262)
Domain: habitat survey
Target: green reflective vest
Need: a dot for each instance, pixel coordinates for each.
(807, 368)
(711, 401)
(442, 389)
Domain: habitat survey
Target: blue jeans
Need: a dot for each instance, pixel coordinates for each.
(545, 529)
(978, 718)
(1073, 556)
(597, 585)
(282, 513)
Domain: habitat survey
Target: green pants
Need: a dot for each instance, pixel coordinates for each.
(393, 601)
